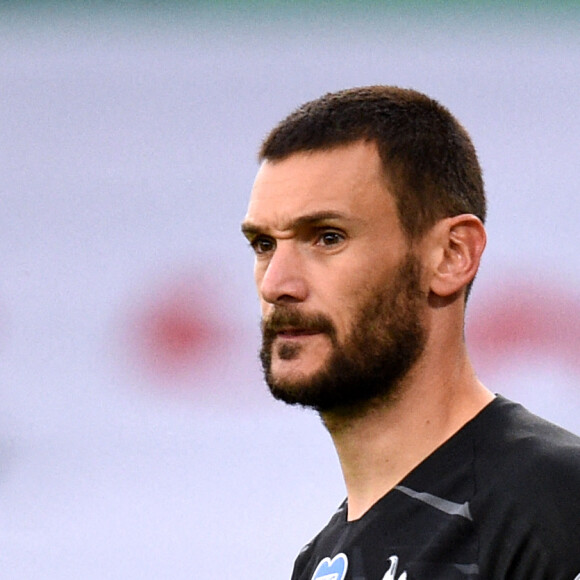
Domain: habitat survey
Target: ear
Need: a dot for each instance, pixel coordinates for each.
(457, 245)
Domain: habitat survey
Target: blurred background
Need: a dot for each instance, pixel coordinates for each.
(137, 439)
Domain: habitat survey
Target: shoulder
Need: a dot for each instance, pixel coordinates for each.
(512, 445)
(527, 477)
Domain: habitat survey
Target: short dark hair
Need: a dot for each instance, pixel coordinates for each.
(428, 158)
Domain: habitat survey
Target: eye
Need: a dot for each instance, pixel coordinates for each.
(262, 244)
(330, 238)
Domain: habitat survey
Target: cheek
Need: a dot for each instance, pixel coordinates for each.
(346, 313)
(265, 307)
(258, 280)
(356, 296)
(258, 275)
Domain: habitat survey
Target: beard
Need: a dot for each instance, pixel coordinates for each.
(386, 339)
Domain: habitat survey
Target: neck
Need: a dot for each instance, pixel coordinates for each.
(379, 443)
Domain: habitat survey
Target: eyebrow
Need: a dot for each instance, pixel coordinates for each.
(249, 228)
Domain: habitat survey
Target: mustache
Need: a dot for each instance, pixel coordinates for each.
(284, 319)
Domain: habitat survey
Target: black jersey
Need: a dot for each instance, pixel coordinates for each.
(500, 500)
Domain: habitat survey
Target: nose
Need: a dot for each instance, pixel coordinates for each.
(282, 279)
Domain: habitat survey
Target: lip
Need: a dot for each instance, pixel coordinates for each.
(290, 333)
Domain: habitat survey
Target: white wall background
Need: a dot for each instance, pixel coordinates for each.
(136, 437)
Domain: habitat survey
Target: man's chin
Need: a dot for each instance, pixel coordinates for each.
(290, 383)
(289, 379)
(290, 393)
(296, 372)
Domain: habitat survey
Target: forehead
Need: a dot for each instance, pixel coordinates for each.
(346, 180)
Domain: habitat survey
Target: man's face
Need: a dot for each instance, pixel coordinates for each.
(338, 285)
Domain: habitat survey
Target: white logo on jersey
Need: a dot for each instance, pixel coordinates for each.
(392, 571)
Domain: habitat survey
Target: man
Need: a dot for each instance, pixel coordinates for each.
(366, 219)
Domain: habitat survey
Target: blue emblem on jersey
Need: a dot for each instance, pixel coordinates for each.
(334, 569)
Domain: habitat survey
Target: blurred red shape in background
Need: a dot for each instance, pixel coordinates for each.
(176, 330)
(526, 318)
